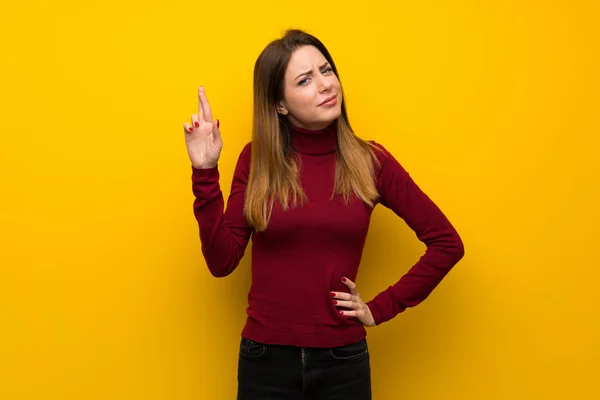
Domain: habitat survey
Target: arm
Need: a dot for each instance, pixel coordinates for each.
(401, 194)
(224, 235)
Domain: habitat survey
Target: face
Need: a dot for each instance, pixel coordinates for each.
(309, 81)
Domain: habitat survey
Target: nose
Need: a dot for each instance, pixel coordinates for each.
(324, 83)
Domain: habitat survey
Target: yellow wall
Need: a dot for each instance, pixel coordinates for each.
(492, 106)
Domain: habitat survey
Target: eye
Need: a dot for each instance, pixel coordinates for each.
(328, 69)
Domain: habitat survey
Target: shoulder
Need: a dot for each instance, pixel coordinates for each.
(242, 169)
(246, 151)
(387, 165)
(382, 154)
(381, 150)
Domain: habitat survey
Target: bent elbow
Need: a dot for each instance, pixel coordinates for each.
(219, 273)
(458, 251)
(221, 262)
(220, 270)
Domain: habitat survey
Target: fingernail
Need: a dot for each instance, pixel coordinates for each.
(196, 123)
(341, 313)
(334, 301)
(332, 294)
(343, 279)
(190, 128)
(218, 123)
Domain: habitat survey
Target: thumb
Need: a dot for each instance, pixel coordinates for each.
(351, 285)
(217, 131)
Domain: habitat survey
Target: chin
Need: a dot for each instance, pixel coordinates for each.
(337, 114)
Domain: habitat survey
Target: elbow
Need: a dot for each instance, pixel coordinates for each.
(219, 273)
(458, 250)
(221, 260)
(450, 252)
(220, 270)
(220, 267)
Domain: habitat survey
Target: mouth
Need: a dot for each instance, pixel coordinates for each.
(328, 100)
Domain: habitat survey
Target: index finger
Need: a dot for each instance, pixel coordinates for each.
(204, 111)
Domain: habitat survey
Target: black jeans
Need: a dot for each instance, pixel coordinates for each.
(275, 372)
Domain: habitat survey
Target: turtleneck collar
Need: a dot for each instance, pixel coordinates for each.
(314, 142)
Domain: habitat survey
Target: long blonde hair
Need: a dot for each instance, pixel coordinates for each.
(273, 170)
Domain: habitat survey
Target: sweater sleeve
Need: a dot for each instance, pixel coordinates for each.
(401, 194)
(224, 235)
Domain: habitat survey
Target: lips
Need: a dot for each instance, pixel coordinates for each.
(328, 99)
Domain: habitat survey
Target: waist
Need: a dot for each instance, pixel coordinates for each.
(321, 331)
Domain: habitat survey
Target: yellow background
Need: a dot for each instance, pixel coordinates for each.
(491, 106)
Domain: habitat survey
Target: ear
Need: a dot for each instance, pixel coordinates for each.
(282, 109)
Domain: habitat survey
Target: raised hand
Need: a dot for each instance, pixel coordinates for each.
(203, 137)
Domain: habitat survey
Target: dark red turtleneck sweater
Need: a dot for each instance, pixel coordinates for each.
(305, 251)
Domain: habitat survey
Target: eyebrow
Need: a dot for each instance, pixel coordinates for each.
(310, 72)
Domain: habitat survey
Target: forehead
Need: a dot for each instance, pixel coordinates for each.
(304, 59)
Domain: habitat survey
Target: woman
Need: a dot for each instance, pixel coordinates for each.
(304, 188)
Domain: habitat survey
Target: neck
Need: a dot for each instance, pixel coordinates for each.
(314, 141)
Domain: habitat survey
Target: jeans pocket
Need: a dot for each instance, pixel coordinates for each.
(350, 352)
(252, 350)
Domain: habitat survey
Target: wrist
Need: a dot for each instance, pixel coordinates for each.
(204, 166)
